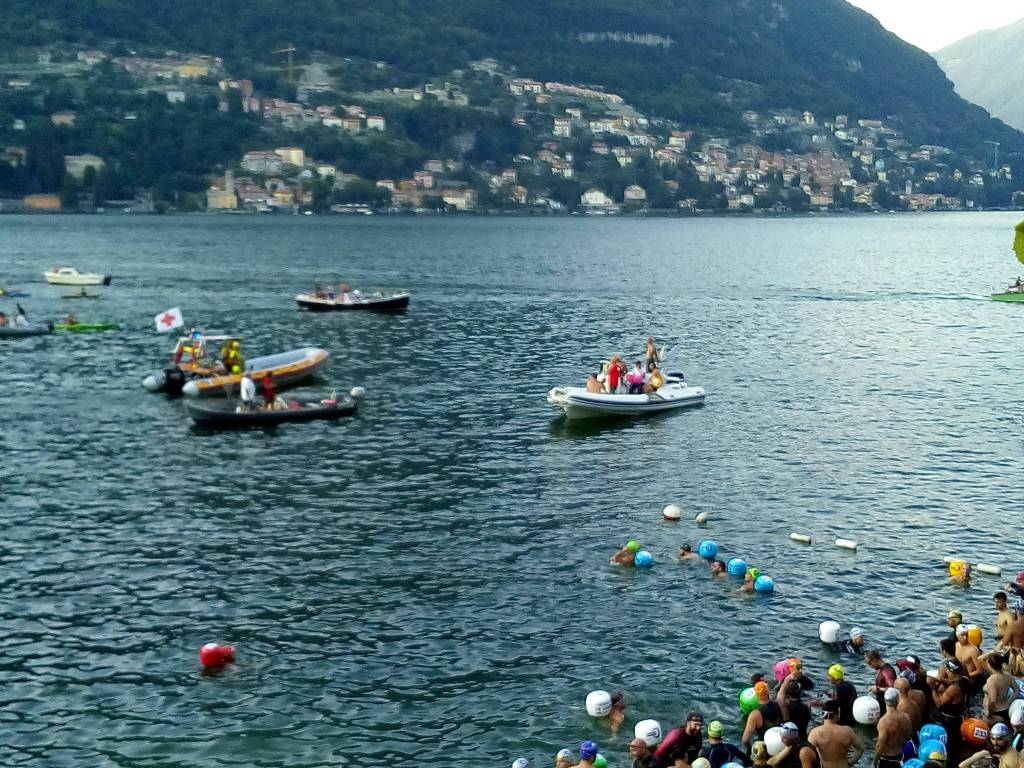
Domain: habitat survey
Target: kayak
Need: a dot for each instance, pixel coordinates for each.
(1009, 296)
(13, 295)
(229, 416)
(86, 327)
(35, 329)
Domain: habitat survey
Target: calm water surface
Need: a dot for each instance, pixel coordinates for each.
(427, 584)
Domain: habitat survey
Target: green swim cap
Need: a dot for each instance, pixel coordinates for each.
(753, 573)
(600, 762)
(633, 545)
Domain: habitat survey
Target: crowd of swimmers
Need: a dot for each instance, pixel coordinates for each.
(616, 377)
(958, 716)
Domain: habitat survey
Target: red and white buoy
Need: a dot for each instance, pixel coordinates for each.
(215, 656)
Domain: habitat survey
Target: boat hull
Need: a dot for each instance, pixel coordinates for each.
(56, 279)
(224, 416)
(397, 302)
(1015, 296)
(580, 404)
(287, 369)
(36, 329)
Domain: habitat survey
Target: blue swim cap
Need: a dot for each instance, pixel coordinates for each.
(737, 566)
(708, 549)
(932, 732)
(913, 763)
(643, 559)
(588, 750)
(764, 584)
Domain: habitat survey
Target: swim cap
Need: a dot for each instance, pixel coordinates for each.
(856, 632)
(914, 661)
(759, 751)
(961, 629)
(715, 729)
(588, 750)
(954, 615)
(836, 672)
(753, 573)
(999, 731)
(701, 762)
(632, 545)
(520, 762)
(761, 689)
(1017, 717)
(790, 729)
(891, 696)
(563, 754)
(938, 757)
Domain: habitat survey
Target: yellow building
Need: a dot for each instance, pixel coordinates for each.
(225, 199)
(284, 197)
(292, 155)
(42, 202)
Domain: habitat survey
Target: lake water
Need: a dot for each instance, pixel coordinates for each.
(427, 584)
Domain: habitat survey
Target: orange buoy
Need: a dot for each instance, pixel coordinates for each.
(974, 731)
(214, 656)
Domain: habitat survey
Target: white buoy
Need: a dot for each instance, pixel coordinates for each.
(828, 631)
(672, 512)
(846, 544)
(649, 731)
(357, 392)
(866, 710)
(949, 559)
(701, 518)
(773, 740)
(803, 538)
(599, 703)
(994, 570)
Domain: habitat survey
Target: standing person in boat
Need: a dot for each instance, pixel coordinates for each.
(636, 379)
(247, 392)
(3, 320)
(20, 321)
(615, 372)
(652, 354)
(231, 354)
(593, 385)
(271, 402)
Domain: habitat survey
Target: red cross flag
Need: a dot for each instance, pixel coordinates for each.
(172, 318)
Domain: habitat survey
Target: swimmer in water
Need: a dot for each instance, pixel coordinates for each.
(1000, 689)
(964, 576)
(627, 554)
(618, 713)
(749, 579)
(894, 730)
(686, 553)
(641, 754)
(855, 645)
(718, 567)
(564, 759)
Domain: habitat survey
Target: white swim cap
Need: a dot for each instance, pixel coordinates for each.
(891, 695)
(1017, 718)
(520, 762)
(961, 629)
(856, 632)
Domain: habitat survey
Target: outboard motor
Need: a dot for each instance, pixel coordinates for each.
(174, 381)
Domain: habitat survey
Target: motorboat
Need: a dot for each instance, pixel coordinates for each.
(1013, 293)
(71, 276)
(231, 416)
(32, 329)
(578, 403)
(195, 372)
(378, 301)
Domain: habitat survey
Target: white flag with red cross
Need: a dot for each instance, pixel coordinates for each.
(172, 318)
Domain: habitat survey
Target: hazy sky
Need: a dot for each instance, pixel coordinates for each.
(932, 24)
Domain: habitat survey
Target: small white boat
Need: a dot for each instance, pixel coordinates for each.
(377, 301)
(71, 276)
(578, 403)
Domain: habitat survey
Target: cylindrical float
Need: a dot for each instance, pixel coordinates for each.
(993, 570)
(846, 544)
(803, 538)
(773, 740)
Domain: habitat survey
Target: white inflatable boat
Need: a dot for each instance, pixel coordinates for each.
(578, 403)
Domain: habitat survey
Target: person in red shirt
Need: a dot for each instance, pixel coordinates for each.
(269, 392)
(616, 370)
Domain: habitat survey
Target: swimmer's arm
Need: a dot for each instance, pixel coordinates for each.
(750, 727)
(781, 756)
(780, 697)
(858, 748)
(808, 757)
(984, 754)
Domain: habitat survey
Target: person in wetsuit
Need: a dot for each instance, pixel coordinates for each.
(796, 752)
(767, 715)
(682, 743)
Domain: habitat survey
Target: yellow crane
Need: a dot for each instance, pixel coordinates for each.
(290, 50)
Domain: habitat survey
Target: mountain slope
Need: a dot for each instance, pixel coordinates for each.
(822, 55)
(986, 69)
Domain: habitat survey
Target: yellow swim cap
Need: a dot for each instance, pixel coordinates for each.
(836, 672)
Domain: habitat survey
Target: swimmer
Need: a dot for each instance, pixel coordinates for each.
(1017, 737)
(796, 752)
(759, 754)
(718, 567)
(767, 715)
(953, 620)
(749, 579)
(949, 699)
(838, 746)
(618, 713)
(686, 553)
(719, 752)
(564, 759)
(1000, 690)
(919, 683)
(894, 730)
(641, 754)
(968, 654)
(792, 704)
(1015, 632)
(964, 576)
(588, 752)
(1004, 616)
(885, 674)
(999, 751)
(627, 554)
(843, 692)
(908, 705)
(682, 744)
(855, 645)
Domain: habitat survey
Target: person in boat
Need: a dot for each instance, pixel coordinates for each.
(614, 374)
(271, 402)
(3, 319)
(231, 356)
(652, 353)
(20, 321)
(636, 379)
(247, 393)
(593, 385)
(70, 319)
(654, 382)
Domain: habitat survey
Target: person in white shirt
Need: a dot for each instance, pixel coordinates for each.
(20, 321)
(248, 393)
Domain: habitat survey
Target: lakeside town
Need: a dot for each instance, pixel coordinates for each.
(581, 149)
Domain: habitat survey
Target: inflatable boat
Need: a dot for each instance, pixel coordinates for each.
(578, 403)
(32, 329)
(229, 416)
